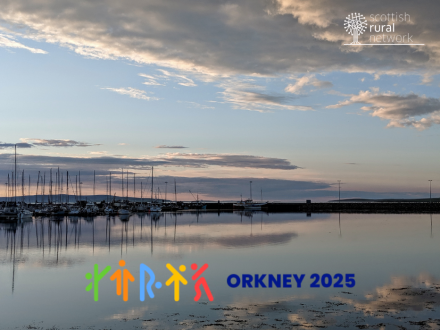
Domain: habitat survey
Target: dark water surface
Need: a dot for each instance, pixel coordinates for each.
(395, 259)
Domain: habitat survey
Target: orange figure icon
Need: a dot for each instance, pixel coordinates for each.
(176, 278)
(122, 278)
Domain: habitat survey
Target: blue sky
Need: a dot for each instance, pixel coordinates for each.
(246, 87)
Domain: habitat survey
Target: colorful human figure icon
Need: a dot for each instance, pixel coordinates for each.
(142, 270)
(201, 282)
(122, 278)
(97, 276)
(177, 278)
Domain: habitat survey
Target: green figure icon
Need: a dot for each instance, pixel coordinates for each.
(97, 276)
(176, 278)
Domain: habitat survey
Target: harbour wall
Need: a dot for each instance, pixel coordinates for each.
(382, 207)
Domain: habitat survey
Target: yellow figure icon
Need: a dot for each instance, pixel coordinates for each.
(176, 278)
(122, 278)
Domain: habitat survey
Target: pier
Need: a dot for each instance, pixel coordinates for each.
(335, 207)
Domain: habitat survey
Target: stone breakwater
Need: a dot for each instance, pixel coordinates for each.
(335, 207)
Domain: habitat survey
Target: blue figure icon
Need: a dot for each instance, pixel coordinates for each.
(144, 268)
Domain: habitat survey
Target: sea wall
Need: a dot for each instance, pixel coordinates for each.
(383, 207)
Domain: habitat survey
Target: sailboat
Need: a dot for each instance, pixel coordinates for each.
(11, 211)
(141, 207)
(24, 214)
(248, 204)
(154, 207)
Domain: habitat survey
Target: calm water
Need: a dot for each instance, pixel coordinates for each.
(395, 259)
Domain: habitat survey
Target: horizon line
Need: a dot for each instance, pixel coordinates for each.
(384, 44)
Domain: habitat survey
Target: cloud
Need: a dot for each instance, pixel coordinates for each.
(8, 41)
(196, 105)
(228, 160)
(246, 95)
(399, 110)
(170, 147)
(208, 188)
(403, 293)
(12, 145)
(307, 80)
(223, 39)
(56, 143)
(406, 303)
(182, 80)
(132, 92)
(169, 159)
(98, 153)
(151, 80)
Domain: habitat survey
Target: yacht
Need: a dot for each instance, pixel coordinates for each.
(123, 212)
(155, 208)
(248, 204)
(24, 214)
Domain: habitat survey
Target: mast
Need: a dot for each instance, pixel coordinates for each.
(175, 190)
(141, 194)
(110, 183)
(59, 186)
(127, 185)
(134, 186)
(22, 187)
(50, 186)
(80, 196)
(36, 192)
(94, 186)
(122, 181)
(7, 191)
(56, 186)
(67, 186)
(152, 181)
(62, 181)
(44, 186)
(250, 188)
(15, 175)
(166, 186)
(29, 191)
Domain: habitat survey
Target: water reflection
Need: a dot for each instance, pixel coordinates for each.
(55, 234)
(403, 293)
(374, 246)
(199, 230)
(54, 237)
(405, 303)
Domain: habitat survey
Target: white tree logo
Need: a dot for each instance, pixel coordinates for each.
(355, 25)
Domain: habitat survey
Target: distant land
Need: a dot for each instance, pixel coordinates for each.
(399, 200)
(100, 198)
(97, 198)
(73, 199)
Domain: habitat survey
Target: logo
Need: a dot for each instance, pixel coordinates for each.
(383, 29)
(147, 280)
(123, 277)
(355, 25)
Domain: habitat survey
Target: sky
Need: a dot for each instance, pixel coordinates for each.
(215, 94)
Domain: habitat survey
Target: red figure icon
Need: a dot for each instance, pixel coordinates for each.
(201, 281)
(122, 278)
